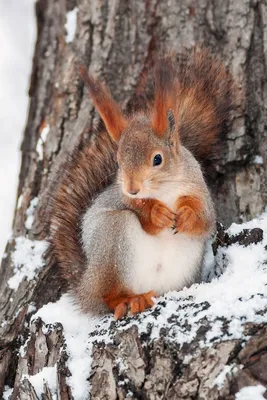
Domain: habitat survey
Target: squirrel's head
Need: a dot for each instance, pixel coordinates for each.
(148, 143)
(145, 159)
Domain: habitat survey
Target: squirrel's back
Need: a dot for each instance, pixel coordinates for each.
(205, 90)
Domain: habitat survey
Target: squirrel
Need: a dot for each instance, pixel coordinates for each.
(131, 214)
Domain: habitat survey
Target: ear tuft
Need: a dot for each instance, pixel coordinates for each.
(107, 108)
(166, 94)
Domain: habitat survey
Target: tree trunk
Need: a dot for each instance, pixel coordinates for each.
(118, 40)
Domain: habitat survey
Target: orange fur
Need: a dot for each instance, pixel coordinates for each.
(154, 216)
(108, 109)
(116, 296)
(120, 300)
(166, 92)
(190, 216)
(162, 216)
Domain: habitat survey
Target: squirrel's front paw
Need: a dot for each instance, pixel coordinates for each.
(162, 216)
(190, 216)
(184, 220)
(189, 222)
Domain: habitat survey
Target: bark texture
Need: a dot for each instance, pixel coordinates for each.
(118, 40)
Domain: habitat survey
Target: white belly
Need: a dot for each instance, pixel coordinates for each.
(164, 262)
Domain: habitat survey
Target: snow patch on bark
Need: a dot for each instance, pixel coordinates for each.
(227, 370)
(258, 160)
(251, 393)
(7, 393)
(30, 212)
(71, 24)
(41, 142)
(19, 201)
(27, 260)
(48, 376)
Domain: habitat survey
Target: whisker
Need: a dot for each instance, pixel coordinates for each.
(177, 181)
(107, 176)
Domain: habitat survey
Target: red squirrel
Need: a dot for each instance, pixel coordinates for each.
(132, 212)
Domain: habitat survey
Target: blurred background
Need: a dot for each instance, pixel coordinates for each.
(17, 37)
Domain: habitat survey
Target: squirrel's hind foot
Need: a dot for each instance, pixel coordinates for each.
(134, 303)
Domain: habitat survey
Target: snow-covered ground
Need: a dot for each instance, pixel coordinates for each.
(237, 296)
(17, 37)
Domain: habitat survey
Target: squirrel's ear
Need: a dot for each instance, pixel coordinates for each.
(107, 108)
(166, 94)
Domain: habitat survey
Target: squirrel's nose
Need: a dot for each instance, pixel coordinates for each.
(132, 187)
(133, 192)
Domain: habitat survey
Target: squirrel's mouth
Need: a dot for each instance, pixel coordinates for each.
(137, 184)
(132, 188)
(140, 194)
(133, 194)
(135, 188)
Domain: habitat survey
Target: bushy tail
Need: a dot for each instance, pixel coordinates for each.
(206, 99)
(85, 172)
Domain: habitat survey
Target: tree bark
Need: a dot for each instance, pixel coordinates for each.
(118, 40)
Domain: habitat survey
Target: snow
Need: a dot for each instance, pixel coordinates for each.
(47, 375)
(27, 260)
(19, 201)
(41, 141)
(238, 296)
(77, 327)
(17, 36)
(30, 213)
(31, 308)
(258, 160)
(71, 24)
(7, 393)
(251, 393)
(227, 370)
(23, 348)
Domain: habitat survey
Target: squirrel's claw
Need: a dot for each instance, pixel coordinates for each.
(137, 305)
(174, 227)
(121, 311)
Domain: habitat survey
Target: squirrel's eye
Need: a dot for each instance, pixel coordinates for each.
(117, 165)
(157, 160)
